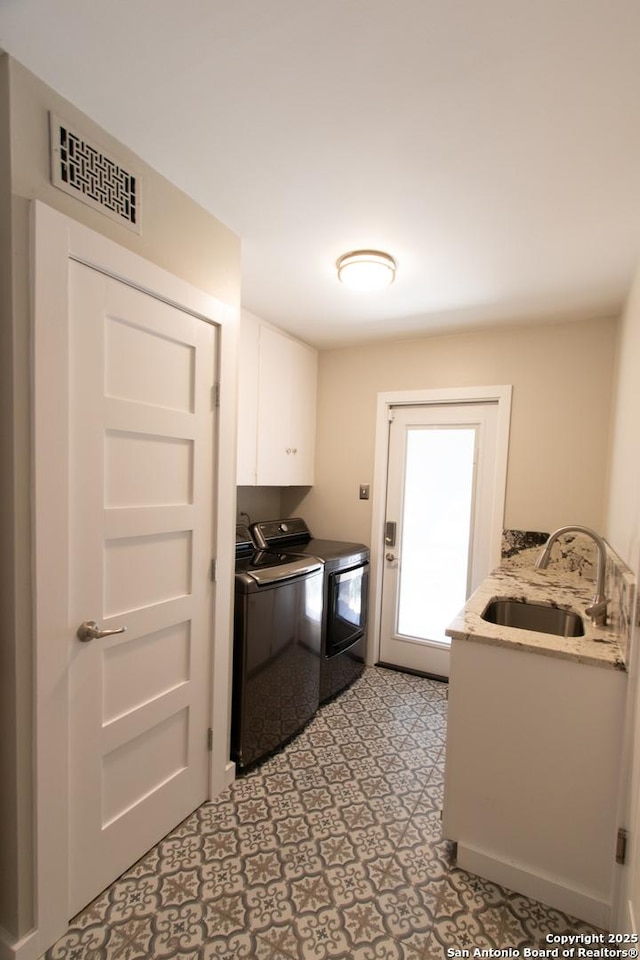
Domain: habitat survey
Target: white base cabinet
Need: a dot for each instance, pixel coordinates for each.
(278, 384)
(532, 774)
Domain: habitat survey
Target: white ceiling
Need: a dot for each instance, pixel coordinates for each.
(491, 146)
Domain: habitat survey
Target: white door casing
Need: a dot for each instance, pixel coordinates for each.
(60, 244)
(626, 895)
(501, 394)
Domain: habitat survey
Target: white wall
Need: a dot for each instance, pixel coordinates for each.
(562, 377)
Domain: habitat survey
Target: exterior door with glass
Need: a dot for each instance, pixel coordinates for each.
(439, 526)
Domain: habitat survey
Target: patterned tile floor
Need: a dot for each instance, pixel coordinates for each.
(330, 850)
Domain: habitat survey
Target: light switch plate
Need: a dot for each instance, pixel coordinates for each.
(364, 491)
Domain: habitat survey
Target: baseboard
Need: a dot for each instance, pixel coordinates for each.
(25, 949)
(629, 919)
(547, 890)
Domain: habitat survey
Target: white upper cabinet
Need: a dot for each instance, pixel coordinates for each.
(248, 400)
(287, 386)
(277, 408)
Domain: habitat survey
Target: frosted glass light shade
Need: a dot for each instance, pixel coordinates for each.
(366, 269)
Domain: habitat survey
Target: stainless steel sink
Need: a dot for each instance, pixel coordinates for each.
(534, 616)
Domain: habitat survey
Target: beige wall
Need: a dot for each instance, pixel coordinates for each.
(623, 533)
(623, 509)
(562, 378)
(177, 235)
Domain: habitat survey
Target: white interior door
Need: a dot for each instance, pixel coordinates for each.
(440, 518)
(141, 426)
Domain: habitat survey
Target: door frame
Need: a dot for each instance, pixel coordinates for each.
(56, 239)
(626, 877)
(385, 401)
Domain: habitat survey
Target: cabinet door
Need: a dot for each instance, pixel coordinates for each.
(248, 374)
(304, 384)
(274, 409)
(286, 411)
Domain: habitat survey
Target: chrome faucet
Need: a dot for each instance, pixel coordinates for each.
(598, 608)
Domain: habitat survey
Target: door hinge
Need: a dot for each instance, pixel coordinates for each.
(215, 393)
(210, 739)
(213, 570)
(621, 845)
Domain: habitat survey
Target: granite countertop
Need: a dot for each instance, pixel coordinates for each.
(600, 646)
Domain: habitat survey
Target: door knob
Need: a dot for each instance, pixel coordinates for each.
(391, 556)
(89, 630)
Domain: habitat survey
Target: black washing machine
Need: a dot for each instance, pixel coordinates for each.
(276, 648)
(345, 596)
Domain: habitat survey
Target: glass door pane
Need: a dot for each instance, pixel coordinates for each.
(436, 529)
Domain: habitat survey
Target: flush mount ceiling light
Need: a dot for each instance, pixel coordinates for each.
(366, 269)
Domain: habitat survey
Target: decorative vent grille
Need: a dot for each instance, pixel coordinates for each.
(82, 170)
